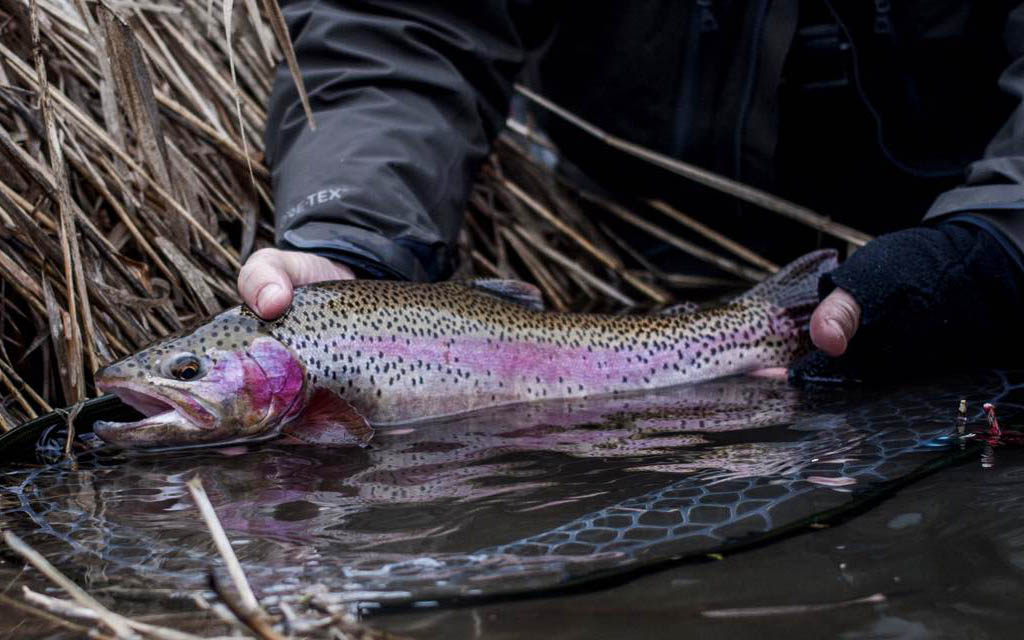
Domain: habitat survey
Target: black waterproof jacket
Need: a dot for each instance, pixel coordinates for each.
(874, 112)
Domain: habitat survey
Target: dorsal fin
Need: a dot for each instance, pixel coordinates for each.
(681, 309)
(515, 291)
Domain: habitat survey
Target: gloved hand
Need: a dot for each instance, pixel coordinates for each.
(915, 300)
(268, 277)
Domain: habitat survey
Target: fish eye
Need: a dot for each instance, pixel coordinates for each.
(185, 366)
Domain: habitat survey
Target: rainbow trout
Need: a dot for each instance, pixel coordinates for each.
(352, 355)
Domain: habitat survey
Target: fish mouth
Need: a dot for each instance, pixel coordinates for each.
(168, 418)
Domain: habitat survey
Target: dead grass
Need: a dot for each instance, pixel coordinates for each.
(132, 188)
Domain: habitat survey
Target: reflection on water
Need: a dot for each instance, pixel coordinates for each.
(521, 498)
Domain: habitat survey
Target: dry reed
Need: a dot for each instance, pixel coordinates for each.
(132, 188)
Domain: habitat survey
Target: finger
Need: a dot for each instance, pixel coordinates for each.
(265, 284)
(834, 322)
(307, 268)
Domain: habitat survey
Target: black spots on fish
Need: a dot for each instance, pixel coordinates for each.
(448, 319)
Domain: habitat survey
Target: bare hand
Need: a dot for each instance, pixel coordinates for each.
(268, 277)
(834, 322)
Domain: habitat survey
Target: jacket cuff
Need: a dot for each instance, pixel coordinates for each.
(1007, 228)
(997, 209)
(991, 197)
(368, 253)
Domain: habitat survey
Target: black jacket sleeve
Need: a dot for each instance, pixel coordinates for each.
(992, 196)
(407, 97)
(932, 299)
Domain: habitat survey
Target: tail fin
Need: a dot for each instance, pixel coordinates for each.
(794, 287)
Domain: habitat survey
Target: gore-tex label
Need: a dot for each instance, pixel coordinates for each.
(317, 197)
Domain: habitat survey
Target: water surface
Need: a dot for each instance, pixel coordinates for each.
(539, 498)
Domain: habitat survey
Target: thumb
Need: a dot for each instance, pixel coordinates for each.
(265, 284)
(834, 322)
(269, 276)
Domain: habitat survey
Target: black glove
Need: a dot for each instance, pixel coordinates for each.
(931, 299)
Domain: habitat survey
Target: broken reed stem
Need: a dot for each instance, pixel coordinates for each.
(707, 178)
(16, 394)
(246, 607)
(220, 539)
(544, 278)
(574, 267)
(797, 609)
(70, 610)
(68, 239)
(69, 420)
(723, 263)
(98, 134)
(486, 264)
(611, 262)
(254, 619)
(732, 246)
(115, 622)
(52, 619)
(284, 40)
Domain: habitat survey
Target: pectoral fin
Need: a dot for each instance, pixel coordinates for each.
(329, 419)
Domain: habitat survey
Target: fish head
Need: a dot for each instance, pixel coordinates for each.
(226, 381)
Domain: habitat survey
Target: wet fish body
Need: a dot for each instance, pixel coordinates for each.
(355, 354)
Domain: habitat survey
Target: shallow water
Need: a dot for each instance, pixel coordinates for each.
(540, 498)
(947, 553)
